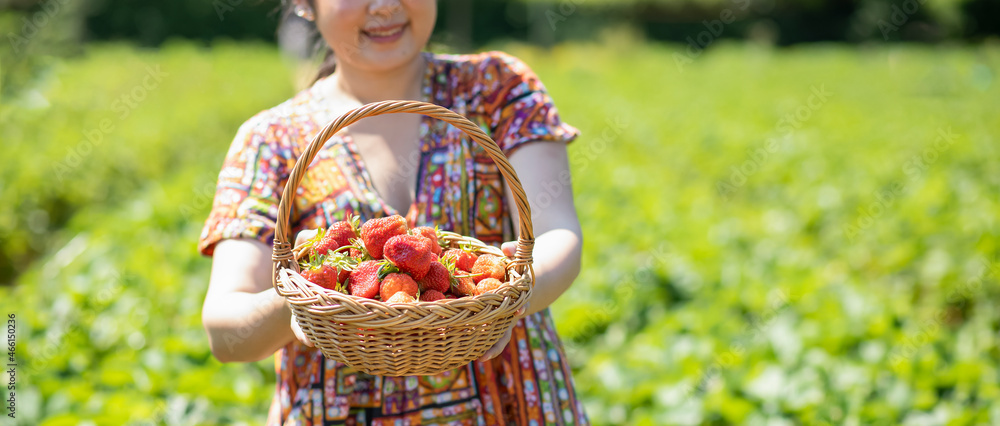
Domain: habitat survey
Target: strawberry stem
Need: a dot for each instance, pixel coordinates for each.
(470, 275)
(358, 244)
(385, 268)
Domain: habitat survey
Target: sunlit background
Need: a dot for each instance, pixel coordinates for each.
(790, 208)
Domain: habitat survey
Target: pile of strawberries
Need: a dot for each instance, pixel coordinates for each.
(385, 260)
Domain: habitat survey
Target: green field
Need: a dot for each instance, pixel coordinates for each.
(806, 235)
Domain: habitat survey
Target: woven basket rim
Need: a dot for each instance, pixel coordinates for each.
(282, 248)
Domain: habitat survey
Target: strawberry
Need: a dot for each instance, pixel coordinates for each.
(322, 275)
(357, 253)
(340, 261)
(431, 295)
(410, 253)
(430, 234)
(401, 297)
(488, 266)
(363, 281)
(461, 258)
(338, 235)
(394, 283)
(376, 232)
(488, 284)
(437, 278)
(464, 286)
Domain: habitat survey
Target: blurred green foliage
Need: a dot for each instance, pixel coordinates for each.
(109, 322)
(771, 235)
(801, 291)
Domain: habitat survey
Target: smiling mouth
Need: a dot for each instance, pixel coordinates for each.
(384, 32)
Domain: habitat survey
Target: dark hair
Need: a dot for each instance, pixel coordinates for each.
(313, 37)
(329, 64)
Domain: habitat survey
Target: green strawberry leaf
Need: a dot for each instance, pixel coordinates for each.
(385, 269)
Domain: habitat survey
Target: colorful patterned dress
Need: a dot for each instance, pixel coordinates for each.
(459, 189)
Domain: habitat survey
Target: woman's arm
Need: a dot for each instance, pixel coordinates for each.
(543, 168)
(245, 318)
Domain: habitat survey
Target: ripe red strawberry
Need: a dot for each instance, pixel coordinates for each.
(437, 278)
(338, 235)
(431, 295)
(322, 275)
(430, 234)
(401, 297)
(376, 232)
(339, 261)
(356, 253)
(410, 253)
(342, 274)
(488, 284)
(465, 285)
(363, 281)
(488, 266)
(461, 258)
(394, 283)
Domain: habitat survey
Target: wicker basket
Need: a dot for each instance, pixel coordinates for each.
(422, 338)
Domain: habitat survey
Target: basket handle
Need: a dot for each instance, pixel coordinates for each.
(282, 254)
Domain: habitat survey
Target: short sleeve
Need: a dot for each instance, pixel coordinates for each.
(524, 110)
(249, 187)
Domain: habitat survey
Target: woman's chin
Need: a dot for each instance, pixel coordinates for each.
(381, 60)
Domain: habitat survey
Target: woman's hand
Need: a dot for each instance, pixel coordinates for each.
(496, 349)
(508, 250)
(299, 334)
(304, 236)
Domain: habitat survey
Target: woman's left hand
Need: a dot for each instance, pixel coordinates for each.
(508, 249)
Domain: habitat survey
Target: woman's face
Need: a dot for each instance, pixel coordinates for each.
(375, 35)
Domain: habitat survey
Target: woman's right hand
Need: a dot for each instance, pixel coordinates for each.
(299, 334)
(304, 236)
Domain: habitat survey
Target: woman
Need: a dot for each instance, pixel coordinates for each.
(406, 164)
